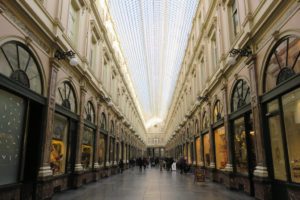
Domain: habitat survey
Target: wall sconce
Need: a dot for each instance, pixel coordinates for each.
(242, 52)
(59, 55)
(202, 98)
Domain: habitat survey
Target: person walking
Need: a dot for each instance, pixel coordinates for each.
(121, 166)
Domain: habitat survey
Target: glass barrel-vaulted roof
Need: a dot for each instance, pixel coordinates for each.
(153, 35)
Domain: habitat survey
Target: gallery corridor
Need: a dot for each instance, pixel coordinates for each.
(151, 185)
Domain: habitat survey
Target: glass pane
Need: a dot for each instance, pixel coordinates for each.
(189, 153)
(23, 58)
(240, 146)
(101, 149)
(34, 77)
(291, 109)
(198, 151)
(10, 51)
(12, 109)
(221, 148)
(5, 69)
(87, 148)
(277, 147)
(252, 153)
(58, 145)
(206, 146)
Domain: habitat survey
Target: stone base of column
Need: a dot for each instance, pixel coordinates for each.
(261, 171)
(96, 165)
(107, 164)
(201, 164)
(45, 171)
(212, 165)
(78, 168)
(228, 168)
(115, 162)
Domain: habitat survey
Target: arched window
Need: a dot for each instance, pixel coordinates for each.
(205, 123)
(103, 121)
(240, 95)
(112, 128)
(19, 64)
(218, 111)
(65, 96)
(196, 127)
(89, 112)
(283, 62)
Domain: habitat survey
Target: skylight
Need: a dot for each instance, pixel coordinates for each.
(153, 35)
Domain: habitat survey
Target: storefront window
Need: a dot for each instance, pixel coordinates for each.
(240, 146)
(87, 148)
(291, 110)
(59, 145)
(198, 151)
(189, 152)
(101, 150)
(206, 144)
(12, 110)
(221, 148)
(276, 142)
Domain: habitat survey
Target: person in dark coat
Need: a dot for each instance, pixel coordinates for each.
(121, 165)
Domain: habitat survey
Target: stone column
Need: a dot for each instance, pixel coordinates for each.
(45, 170)
(261, 167)
(229, 166)
(97, 136)
(211, 138)
(107, 152)
(78, 165)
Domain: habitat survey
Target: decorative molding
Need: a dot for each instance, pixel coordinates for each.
(29, 34)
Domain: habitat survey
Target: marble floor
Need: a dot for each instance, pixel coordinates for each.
(151, 184)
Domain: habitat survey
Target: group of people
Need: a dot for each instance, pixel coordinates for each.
(183, 165)
(166, 163)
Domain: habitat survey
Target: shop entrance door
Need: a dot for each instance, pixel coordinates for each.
(244, 148)
(32, 153)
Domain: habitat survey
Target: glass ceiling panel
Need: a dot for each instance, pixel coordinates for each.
(153, 35)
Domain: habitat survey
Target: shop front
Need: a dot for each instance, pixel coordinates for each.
(281, 108)
(243, 137)
(22, 111)
(63, 143)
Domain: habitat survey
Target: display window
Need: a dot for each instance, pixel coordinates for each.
(12, 112)
(240, 146)
(206, 147)
(101, 149)
(244, 145)
(198, 151)
(279, 166)
(221, 148)
(189, 155)
(291, 115)
(59, 145)
(87, 148)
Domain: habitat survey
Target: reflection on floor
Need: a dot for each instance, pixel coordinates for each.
(151, 184)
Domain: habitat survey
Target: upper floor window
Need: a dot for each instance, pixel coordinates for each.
(235, 17)
(18, 63)
(103, 122)
(73, 20)
(214, 51)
